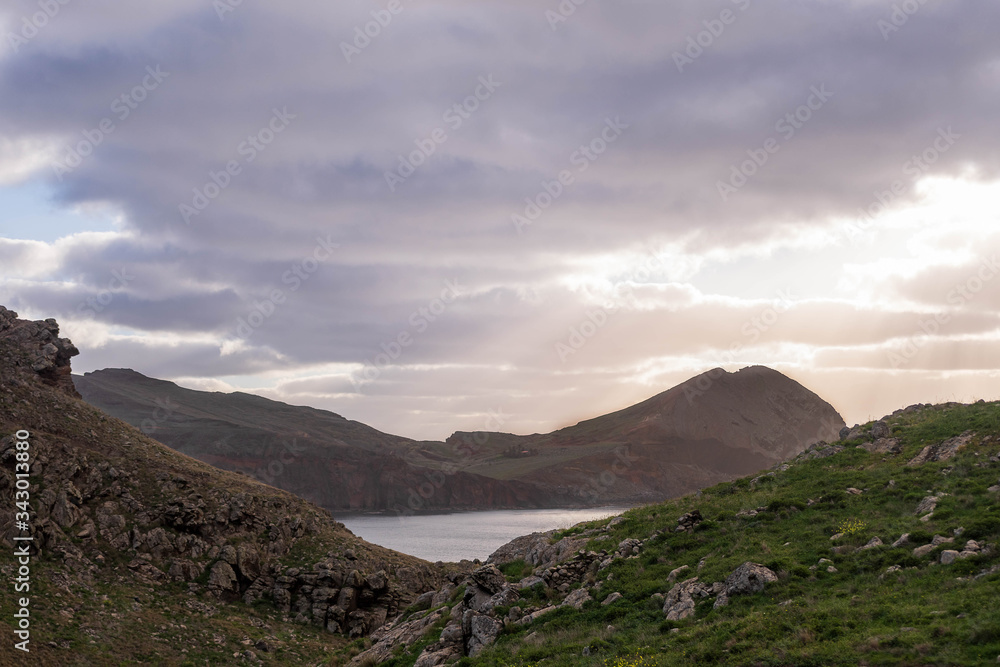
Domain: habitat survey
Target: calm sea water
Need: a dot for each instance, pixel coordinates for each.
(471, 535)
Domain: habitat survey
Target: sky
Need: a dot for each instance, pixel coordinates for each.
(423, 215)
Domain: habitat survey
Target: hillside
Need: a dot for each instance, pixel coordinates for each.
(881, 549)
(712, 428)
(339, 464)
(142, 555)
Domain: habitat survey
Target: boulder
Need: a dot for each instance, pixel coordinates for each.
(222, 578)
(880, 430)
(489, 578)
(920, 552)
(680, 601)
(941, 451)
(949, 556)
(577, 599)
(874, 542)
(749, 578)
(927, 505)
(903, 540)
(611, 599)
(884, 446)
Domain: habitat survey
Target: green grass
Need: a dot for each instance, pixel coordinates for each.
(925, 614)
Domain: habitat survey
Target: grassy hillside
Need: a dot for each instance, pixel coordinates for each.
(851, 610)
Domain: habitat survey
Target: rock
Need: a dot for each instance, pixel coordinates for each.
(942, 451)
(941, 539)
(721, 601)
(948, 556)
(927, 505)
(972, 545)
(424, 601)
(832, 570)
(749, 578)
(884, 446)
(903, 540)
(854, 492)
(679, 602)
(50, 355)
(874, 542)
(222, 578)
(611, 599)
(528, 582)
(672, 577)
(577, 598)
(920, 552)
(481, 631)
(504, 598)
(689, 521)
(844, 433)
(489, 578)
(534, 616)
(880, 430)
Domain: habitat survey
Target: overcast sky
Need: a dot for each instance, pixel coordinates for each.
(545, 210)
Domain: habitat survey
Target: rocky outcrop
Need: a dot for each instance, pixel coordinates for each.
(48, 354)
(943, 450)
(679, 603)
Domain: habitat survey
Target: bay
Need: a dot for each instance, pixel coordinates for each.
(464, 535)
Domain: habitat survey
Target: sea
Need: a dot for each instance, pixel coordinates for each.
(464, 535)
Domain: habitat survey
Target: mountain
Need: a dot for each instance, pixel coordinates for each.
(711, 428)
(337, 463)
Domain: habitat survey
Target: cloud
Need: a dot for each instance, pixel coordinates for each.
(298, 229)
